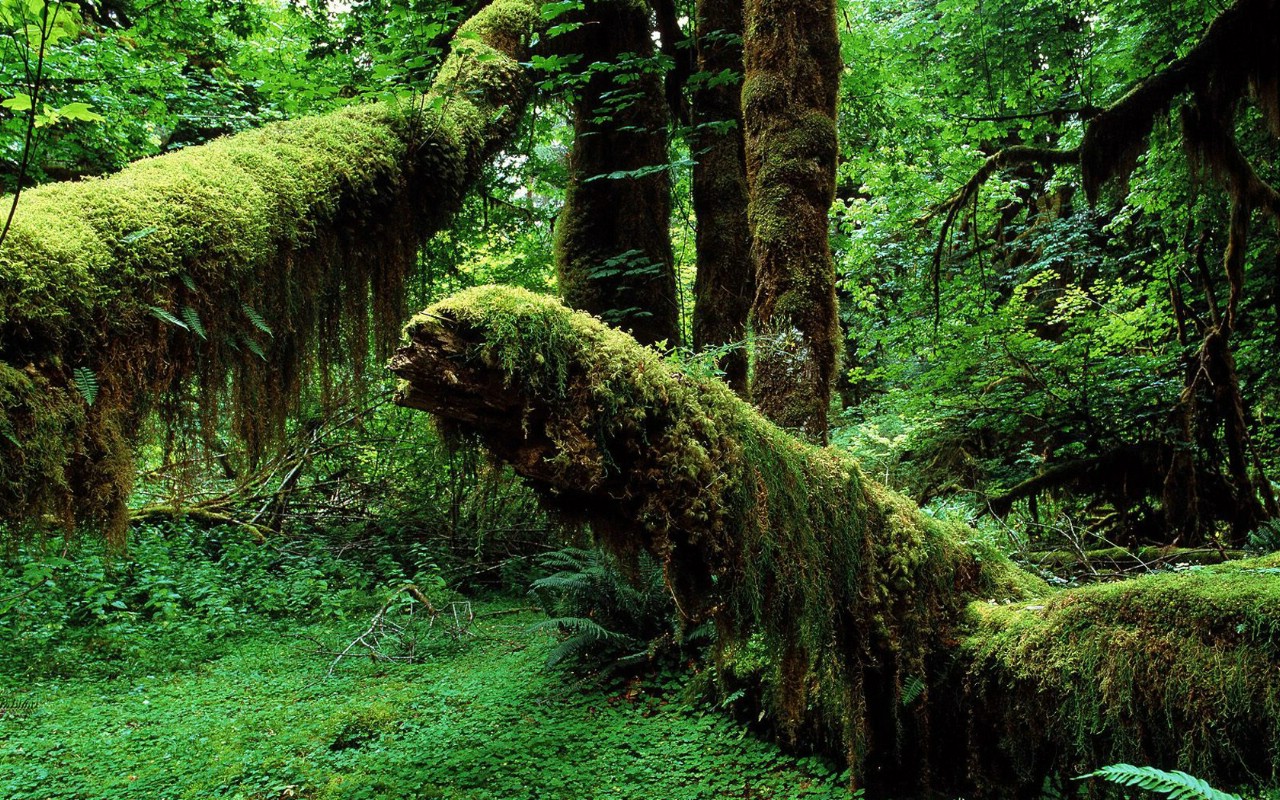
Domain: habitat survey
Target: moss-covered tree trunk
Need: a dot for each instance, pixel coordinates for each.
(613, 240)
(792, 73)
(726, 280)
(854, 621)
(219, 276)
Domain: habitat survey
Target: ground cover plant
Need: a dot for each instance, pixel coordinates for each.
(174, 677)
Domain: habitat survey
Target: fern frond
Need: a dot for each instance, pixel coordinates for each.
(578, 626)
(161, 314)
(256, 319)
(86, 383)
(255, 348)
(912, 689)
(568, 649)
(192, 319)
(1176, 785)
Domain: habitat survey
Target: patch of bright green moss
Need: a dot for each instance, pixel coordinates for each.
(1180, 670)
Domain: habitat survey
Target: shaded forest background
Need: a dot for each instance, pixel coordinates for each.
(1039, 355)
(1080, 379)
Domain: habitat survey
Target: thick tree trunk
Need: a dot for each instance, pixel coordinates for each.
(613, 239)
(858, 623)
(239, 266)
(792, 59)
(726, 281)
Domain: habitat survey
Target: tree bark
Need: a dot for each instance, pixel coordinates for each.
(857, 623)
(792, 73)
(613, 238)
(725, 285)
(237, 268)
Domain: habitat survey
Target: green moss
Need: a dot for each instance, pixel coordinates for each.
(1177, 670)
(168, 274)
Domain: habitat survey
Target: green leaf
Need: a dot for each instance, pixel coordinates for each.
(81, 112)
(550, 11)
(161, 314)
(19, 102)
(192, 319)
(86, 383)
(1176, 785)
(256, 319)
(141, 233)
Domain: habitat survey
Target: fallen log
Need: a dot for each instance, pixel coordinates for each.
(219, 277)
(863, 626)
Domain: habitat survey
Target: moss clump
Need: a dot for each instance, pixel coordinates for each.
(1177, 670)
(844, 586)
(237, 268)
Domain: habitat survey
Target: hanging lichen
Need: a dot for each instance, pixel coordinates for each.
(217, 277)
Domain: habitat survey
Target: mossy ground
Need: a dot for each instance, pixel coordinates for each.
(480, 719)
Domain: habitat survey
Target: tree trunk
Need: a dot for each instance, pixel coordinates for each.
(726, 281)
(792, 60)
(239, 266)
(613, 238)
(858, 623)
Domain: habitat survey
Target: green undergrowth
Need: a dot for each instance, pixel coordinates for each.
(231, 695)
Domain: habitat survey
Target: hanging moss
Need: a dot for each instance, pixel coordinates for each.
(225, 273)
(858, 624)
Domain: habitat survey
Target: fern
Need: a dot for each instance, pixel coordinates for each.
(912, 689)
(86, 383)
(1176, 785)
(256, 319)
(192, 319)
(609, 622)
(255, 348)
(161, 314)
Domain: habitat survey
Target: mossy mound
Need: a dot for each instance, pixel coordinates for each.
(1179, 670)
(218, 277)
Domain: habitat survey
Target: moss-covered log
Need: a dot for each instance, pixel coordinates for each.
(613, 236)
(253, 257)
(860, 623)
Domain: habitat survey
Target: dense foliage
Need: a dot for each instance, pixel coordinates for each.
(1082, 369)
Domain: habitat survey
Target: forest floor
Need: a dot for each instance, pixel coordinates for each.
(477, 716)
